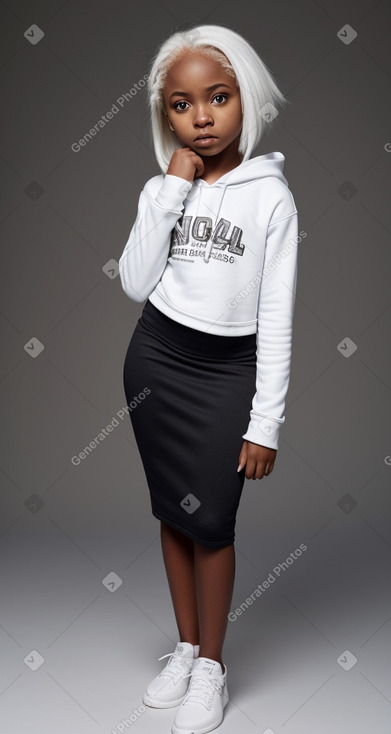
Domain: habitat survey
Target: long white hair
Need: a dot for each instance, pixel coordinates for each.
(260, 96)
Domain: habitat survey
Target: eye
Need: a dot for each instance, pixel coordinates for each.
(182, 102)
(220, 95)
(176, 105)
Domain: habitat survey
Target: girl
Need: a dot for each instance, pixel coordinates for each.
(213, 250)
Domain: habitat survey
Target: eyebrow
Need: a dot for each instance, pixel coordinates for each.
(207, 89)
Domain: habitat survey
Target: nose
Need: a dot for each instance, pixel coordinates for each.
(202, 116)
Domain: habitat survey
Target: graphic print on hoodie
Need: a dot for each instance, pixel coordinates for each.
(201, 230)
(222, 258)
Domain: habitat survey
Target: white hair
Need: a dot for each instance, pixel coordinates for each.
(256, 85)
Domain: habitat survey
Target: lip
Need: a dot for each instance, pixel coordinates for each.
(205, 137)
(207, 140)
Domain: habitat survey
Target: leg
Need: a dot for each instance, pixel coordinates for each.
(178, 556)
(214, 575)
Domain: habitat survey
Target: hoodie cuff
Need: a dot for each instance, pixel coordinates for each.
(264, 431)
(172, 192)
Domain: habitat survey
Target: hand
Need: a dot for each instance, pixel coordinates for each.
(185, 163)
(258, 460)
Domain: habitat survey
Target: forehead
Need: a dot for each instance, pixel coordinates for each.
(197, 68)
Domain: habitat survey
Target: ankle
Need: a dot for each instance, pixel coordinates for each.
(195, 644)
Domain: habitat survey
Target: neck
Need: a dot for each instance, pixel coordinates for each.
(219, 164)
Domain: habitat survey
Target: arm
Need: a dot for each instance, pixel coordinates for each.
(275, 325)
(144, 258)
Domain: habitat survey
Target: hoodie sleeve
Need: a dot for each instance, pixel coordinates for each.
(144, 258)
(275, 325)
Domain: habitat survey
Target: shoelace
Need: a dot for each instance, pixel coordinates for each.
(200, 687)
(174, 667)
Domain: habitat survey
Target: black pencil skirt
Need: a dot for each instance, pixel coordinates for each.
(190, 394)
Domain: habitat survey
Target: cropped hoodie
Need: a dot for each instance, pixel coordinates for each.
(222, 258)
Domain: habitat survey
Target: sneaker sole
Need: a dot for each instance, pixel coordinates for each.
(155, 703)
(205, 729)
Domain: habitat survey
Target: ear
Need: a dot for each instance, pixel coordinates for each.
(167, 120)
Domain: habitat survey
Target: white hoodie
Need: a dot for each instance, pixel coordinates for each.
(222, 258)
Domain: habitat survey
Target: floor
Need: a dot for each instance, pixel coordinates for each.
(308, 653)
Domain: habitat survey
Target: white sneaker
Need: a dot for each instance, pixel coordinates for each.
(202, 709)
(170, 686)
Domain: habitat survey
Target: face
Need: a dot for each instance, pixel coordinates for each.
(193, 109)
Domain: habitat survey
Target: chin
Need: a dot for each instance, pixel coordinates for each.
(205, 153)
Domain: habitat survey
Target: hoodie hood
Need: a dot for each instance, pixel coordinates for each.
(262, 166)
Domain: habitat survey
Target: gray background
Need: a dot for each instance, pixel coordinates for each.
(65, 219)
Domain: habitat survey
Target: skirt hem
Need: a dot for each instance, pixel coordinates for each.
(189, 534)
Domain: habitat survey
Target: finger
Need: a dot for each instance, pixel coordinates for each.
(251, 466)
(200, 168)
(242, 463)
(260, 470)
(242, 457)
(250, 469)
